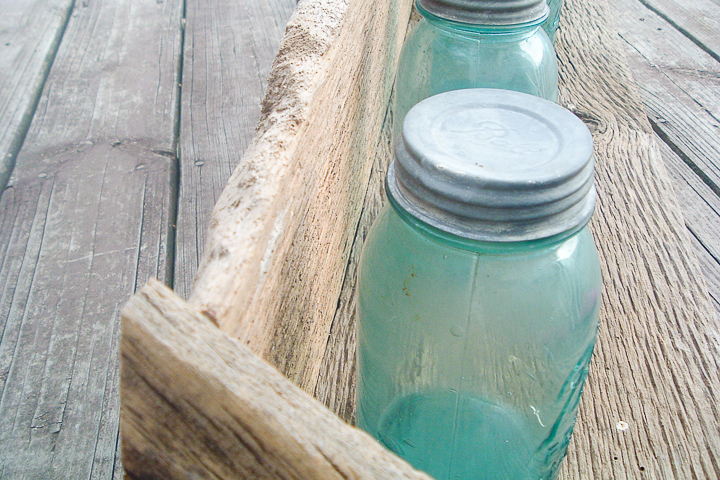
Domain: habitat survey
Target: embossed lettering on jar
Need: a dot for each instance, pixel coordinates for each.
(479, 288)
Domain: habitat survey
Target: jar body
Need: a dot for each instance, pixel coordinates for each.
(471, 358)
(440, 56)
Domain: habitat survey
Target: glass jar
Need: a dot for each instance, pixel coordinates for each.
(550, 25)
(459, 44)
(479, 288)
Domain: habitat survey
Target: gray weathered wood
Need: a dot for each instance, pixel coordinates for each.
(680, 87)
(282, 230)
(198, 404)
(701, 211)
(655, 364)
(86, 217)
(679, 84)
(229, 48)
(335, 385)
(698, 19)
(30, 32)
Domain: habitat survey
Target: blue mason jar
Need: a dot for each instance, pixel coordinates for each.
(460, 44)
(550, 25)
(479, 288)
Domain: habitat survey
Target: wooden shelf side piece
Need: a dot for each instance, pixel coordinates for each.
(198, 404)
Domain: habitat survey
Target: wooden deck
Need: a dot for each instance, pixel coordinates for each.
(123, 120)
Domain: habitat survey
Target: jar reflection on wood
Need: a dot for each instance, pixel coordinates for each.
(479, 288)
(478, 43)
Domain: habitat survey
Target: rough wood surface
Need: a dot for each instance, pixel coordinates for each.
(30, 32)
(335, 386)
(679, 84)
(86, 217)
(229, 48)
(655, 366)
(697, 19)
(680, 87)
(701, 211)
(198, 404)
(282, 230)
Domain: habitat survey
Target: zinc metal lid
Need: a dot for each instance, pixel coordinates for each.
(494, 165)
(488, 12)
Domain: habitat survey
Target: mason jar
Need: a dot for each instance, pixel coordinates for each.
(479, 288)
(550, 25)
(460, 44)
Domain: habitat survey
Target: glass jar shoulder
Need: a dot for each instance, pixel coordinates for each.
(437, 59)
(398, 255)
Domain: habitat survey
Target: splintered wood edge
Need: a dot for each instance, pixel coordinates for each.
(239, 229)
(282, 231)
(198, 404)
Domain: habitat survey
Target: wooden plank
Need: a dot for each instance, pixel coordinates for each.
(30, 32)
(198, 404)
(229, 48)
(699, 20)
(679, 84)
(87, 216)
(701, 211)
(658, 336)
(282, 230)
(708, 263)
(655, 364)
(335, 386)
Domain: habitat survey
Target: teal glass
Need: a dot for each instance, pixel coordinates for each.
(441, 55)
(472, 355)
(550, 25)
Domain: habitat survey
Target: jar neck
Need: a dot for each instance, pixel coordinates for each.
(489, 248)
(512, 31)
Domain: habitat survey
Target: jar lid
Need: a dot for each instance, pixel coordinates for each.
(488, 12)
(494, 165)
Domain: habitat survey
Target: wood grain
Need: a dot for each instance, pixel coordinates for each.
(679, 84)
(30, 32)
(86, 217)
(282, 230)
(655, 365)
(229, 48)
(279, 248)
(701, 211)
(335, 386)
(697, 19)
(198, 404)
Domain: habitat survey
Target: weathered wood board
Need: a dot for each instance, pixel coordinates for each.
(229, 48)
(679, 83)
(649, 269)
(86, 217)
(680, 86)
(261, 425)
(282, 231)
(655, 366)
(701, 211)
(697, 19)
(30, 32)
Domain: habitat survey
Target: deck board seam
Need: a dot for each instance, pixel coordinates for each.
(7, 164)
(682, 30)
